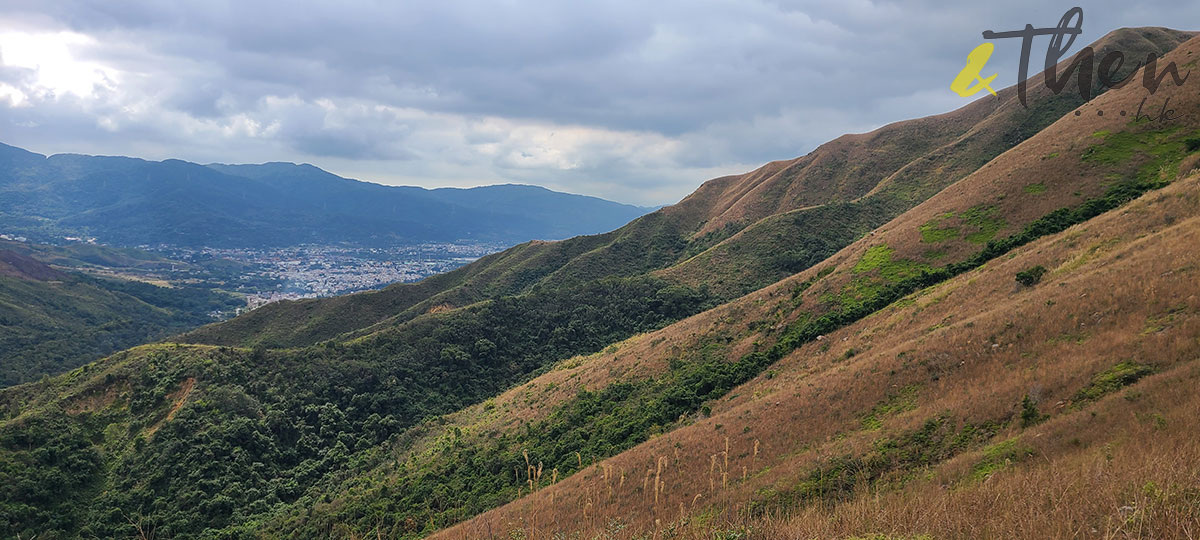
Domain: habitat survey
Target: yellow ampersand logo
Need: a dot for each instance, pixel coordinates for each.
(975, 62)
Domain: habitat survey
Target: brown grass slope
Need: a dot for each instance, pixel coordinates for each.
(1122, 288)
(917, 158)
(1001, 190)
(1068, 163)
(1030, 337)
(784, 218)
(13, 264)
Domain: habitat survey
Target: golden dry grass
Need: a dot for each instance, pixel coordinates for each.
(1127, 468)
(1002, 180)
(973, 360)
(906, 157)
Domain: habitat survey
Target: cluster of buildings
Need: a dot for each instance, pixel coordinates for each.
(315, 270)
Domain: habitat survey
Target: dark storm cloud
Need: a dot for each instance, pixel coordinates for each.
(637, 101)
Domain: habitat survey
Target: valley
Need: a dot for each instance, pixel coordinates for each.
(312, 271)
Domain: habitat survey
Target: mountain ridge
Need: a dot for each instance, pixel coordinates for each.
(132, 201)
(680, 243)
(1086, 249)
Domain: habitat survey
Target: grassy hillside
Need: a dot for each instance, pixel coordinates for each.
(977, 355)
(668, 378)
(300, 414)
(734, 234)
(980, 384)
(787, 220)
(84, 256)
(548, 389)
(52, 321)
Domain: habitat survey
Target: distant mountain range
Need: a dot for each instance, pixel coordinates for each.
(129, 201)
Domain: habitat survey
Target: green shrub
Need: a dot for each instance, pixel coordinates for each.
(932, 232)
(904, 400)
(998, 456)
(987, 221)
(838, 478)
(1111, 380)
(1031, 276)
(1030, 415)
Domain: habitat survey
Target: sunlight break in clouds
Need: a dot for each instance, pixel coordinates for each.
(52, 69)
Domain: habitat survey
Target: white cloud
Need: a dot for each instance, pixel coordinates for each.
(54, 67)
(633, 101)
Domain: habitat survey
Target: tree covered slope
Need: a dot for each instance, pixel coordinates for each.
(53, 320)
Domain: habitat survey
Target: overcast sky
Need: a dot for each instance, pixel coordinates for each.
(633, 101)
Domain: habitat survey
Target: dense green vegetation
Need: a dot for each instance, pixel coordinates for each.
(272, 423)
(47, 475)
(465, 476)
(47, 327)
(1031, 415)
(1031, 276)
